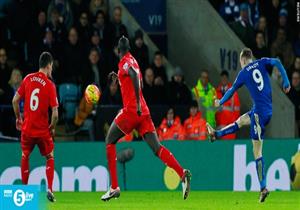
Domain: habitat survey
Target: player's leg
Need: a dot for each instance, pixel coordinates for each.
(231, 128)
(113, 135)
(147, 130)
(27, 146)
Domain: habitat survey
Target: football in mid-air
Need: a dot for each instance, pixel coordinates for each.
(295, 172)
(92, 94)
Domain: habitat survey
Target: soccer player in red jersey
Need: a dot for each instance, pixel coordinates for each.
(135, 115)
(39, 93)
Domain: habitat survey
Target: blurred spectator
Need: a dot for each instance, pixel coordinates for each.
(119, 29)
(295, 66)
(140, 50)
(205, 95)
(159, 68)
(104, 30)
(296, 44)
(178, 92)
(97, 43)
(96, 6)
(294, 96)
(73, 59)
(254, 11)
(262, 26)
(194, 127)
(283, 47)
(83, 28)
(243, 28)
(64, 10)
(111, 95)
(13, 84)
(5, 73)
(230, 10)
(95, 72)
(260, 50)
(56, 26)
(153, 94)
(230, 110)
(283, 23)
(170, 127)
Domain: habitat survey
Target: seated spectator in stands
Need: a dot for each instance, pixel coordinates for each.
(159, 68)
(204, 93)
(64, 10)
(295, 67)
(111, 95)
(140, 50)
(96, 6)
(283, 23)
(95, 71)
(73, 59)
(178, 93)
(243, 28)
(296, 44)
(254, 11)
(260, 50)
(230, 110)
(294, 96)
(283, 47)
(170, 127)
(5, 73)
(230, 10)
(153, 94)
(97, 43)
(13, 84)
(194, 127)
(263, 27)
(56, 26)
(83, 27)
(118, 28)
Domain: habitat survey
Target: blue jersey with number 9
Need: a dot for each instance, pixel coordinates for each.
(255, 77)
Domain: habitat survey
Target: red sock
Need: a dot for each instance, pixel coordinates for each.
(50, 172)
(111, 155)
(167, 157)
(25, 169)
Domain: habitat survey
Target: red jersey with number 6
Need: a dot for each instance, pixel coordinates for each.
(39, 94)
(126, 85)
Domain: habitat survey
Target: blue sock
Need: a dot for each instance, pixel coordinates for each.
(260, 165)
(227, 130)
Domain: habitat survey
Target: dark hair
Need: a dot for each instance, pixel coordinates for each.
(224, 73)
(118, 7)
(246, 53)
(94, 49)
(158, 53)
(194, 103)
(123, 44)
(260, 32)
(45, 59)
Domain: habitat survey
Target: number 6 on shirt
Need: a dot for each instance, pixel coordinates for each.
(34, 99)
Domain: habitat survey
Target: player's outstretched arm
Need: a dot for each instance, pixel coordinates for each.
(286, 83)
(136, 84)
(16, 107)
(54, 119)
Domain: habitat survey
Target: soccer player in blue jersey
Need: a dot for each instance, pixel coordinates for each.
(254, 76)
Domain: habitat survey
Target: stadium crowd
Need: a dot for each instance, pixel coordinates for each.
(82, 35)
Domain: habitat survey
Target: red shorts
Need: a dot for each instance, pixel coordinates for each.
(129, 120)
(45, 144)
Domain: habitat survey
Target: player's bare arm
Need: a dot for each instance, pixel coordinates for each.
(16, 107)
(136, 83)
(54, 119)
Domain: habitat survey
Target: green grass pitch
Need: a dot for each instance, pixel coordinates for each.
(198, 200)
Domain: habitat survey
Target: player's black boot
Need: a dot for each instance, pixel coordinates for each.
(186, 183)
(111, 193)
(210, 133)
(263, 195)
(50, 196)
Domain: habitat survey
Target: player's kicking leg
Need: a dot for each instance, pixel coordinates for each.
(50, 176)
(113, 135)
(167, 157)
(231, 128)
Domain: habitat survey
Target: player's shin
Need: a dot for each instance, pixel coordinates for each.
(50, 172)
(229, 129)
(25, 169)
(167, 157)
(112, 164)
(261, 172)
